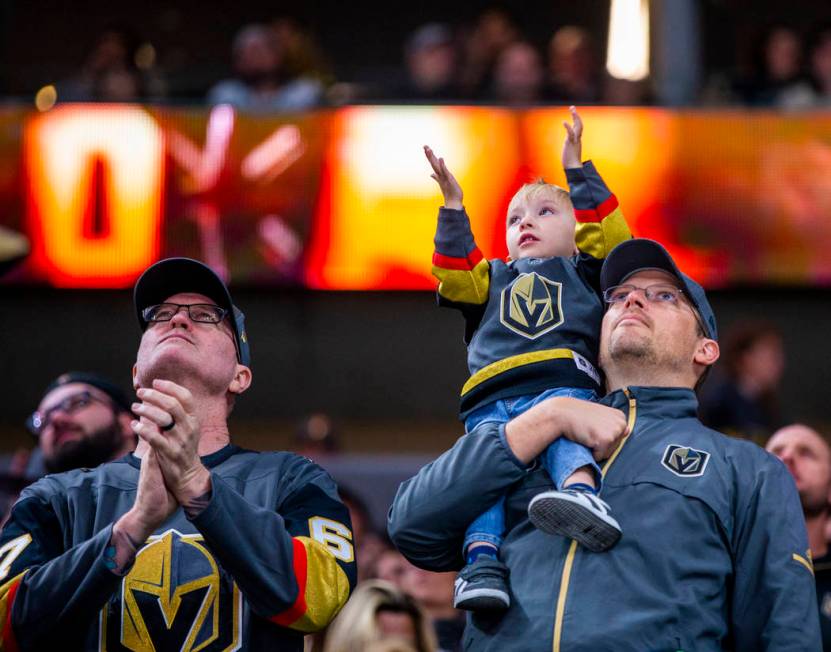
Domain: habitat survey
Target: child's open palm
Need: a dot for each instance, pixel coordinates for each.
(573, 146)
(450, 188)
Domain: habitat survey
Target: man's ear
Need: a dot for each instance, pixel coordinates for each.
(706, 352)
(241, 380)
(135, 378)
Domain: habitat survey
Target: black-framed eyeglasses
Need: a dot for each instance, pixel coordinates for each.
(38, 421)
(204, 313)
(657, 293)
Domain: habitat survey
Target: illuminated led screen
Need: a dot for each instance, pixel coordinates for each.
(343, 199)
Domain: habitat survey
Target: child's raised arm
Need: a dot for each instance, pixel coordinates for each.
(573, 145)
(450, 188)
(600, 222)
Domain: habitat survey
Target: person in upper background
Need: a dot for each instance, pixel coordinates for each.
(807, 455)
(380, 611)
(110, 73)
(518, 76)
(261, 82)
(778, 66)
(302, 54)
(573, 72)
(432, 65)
(744, 402)
(814, 92)
(493, 31)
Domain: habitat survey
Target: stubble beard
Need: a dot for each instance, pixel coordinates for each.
(627, 351)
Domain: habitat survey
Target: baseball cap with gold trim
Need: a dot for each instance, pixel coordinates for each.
(174, 275)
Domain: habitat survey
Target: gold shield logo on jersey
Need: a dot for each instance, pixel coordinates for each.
(174, 598)
(685, 461)
(530, 306)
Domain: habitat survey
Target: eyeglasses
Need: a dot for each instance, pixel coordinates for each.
(39, 421)
(658, 293)
(204, 313)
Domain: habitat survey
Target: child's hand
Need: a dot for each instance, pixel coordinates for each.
(573, 146)
(450, 188)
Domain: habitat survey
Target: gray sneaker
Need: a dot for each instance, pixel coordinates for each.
(482, 586)
(578, 515)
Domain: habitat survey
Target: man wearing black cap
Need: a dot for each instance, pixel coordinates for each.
(83, 420)
(191, 543)
(714, 553)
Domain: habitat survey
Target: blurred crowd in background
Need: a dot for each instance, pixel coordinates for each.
(281, 65)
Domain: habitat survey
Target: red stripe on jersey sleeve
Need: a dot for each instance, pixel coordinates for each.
(598, 213)
(296, 610)
(451, 262)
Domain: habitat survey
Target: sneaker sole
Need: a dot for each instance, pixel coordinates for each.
(569, 519)
(482, 599)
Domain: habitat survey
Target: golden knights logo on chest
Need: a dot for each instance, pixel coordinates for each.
(175, 597)
(531, 306)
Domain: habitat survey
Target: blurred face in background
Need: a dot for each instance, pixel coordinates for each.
(821, 62)
(570, 57)
(782, 54)
(391, 566)
(432, 64)
(808, 458)
(434, 591)
(764, 363)
(518, 76)
(257, 54)
(80, 431)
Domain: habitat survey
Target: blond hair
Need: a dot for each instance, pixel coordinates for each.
(530, 190)
(356, 627)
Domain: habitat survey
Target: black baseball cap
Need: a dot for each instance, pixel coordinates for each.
(118, 397)
(174, 275)
(639, 254)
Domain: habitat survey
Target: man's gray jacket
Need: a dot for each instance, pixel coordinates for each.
(714, 553)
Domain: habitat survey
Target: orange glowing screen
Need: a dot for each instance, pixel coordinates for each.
(378, 206)
(343, 199)
(94, 184)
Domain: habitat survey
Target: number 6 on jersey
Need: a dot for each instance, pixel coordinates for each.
(335, 536)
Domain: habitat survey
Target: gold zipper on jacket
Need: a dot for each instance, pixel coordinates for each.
(572, 549)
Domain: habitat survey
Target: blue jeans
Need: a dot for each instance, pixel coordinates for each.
(562, 458)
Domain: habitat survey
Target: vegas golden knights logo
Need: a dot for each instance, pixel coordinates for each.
(174, 598)
(530, 306)
(685, 461)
